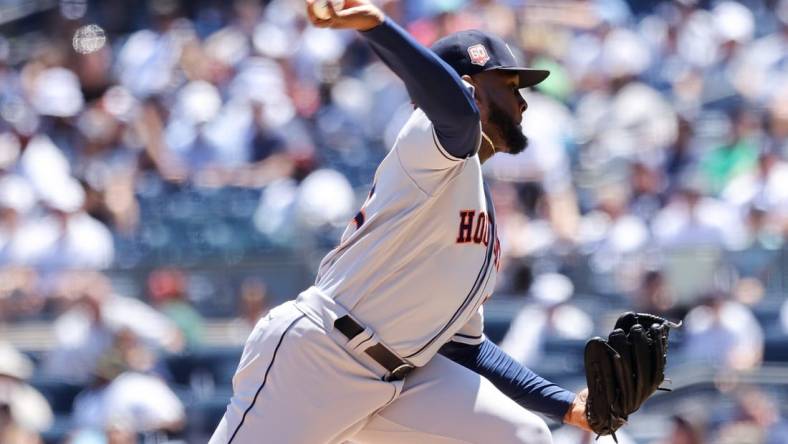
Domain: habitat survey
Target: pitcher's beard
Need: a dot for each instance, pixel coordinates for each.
(512, 133)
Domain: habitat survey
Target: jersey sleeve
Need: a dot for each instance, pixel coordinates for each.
(432, 84)
(472, 333)
(421, 154)
(516, 381)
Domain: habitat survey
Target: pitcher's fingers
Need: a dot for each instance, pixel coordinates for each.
(349, 12)
(316, 21)
(310, 14)
(332, 13)
(354, 3)
(347, 18)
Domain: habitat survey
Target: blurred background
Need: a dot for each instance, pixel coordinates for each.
(170, 170)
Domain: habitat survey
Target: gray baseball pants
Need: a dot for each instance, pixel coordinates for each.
(298, 384)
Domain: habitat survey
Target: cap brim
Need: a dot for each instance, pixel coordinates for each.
(528, 76)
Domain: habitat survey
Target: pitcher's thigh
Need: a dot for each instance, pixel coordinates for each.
(443, 402)
(295, 386)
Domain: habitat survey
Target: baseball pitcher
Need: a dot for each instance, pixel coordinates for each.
(387, 345)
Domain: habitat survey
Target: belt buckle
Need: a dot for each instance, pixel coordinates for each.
(399, 373)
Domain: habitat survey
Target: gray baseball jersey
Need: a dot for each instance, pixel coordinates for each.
(421, 256)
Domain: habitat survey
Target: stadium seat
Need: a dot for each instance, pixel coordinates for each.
(205, 414)
(59, 394)
(776, 349)
(495, 328)
(59, 431)
(219, 364)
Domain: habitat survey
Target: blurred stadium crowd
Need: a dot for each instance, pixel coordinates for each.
(140, 141)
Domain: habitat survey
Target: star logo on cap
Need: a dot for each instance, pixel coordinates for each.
(478, 55)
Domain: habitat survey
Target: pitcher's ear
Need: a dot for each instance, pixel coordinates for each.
(468, 81)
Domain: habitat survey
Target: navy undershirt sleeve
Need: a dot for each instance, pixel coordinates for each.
(433, 85)
(512, 378)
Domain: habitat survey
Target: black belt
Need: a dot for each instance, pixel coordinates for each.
(396, 367)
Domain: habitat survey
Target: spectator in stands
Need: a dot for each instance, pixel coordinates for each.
(691, 220)
(738, 155)
(732, 26)
(264, 157)
(325, 201)
(187, 134)
(24, 412)
(66, 237)
(93, 318)
(763, 193)
(522, 234)
(624, 117)
(756, 419)
(653, 295)
(253, 306)
(648, 185)
(762, 230)
(550, 316)
(684, 431)
(21, 296)
(756, 69)
(167, 291)
(117, 395)
(156, 159)
(681, 155)
(81, 333)
(611, 230)
(105, 164)
(723, 333)
(17, 200)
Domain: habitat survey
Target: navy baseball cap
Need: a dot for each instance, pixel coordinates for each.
(473, 51)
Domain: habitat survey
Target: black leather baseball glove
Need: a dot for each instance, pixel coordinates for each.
(624, 370)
